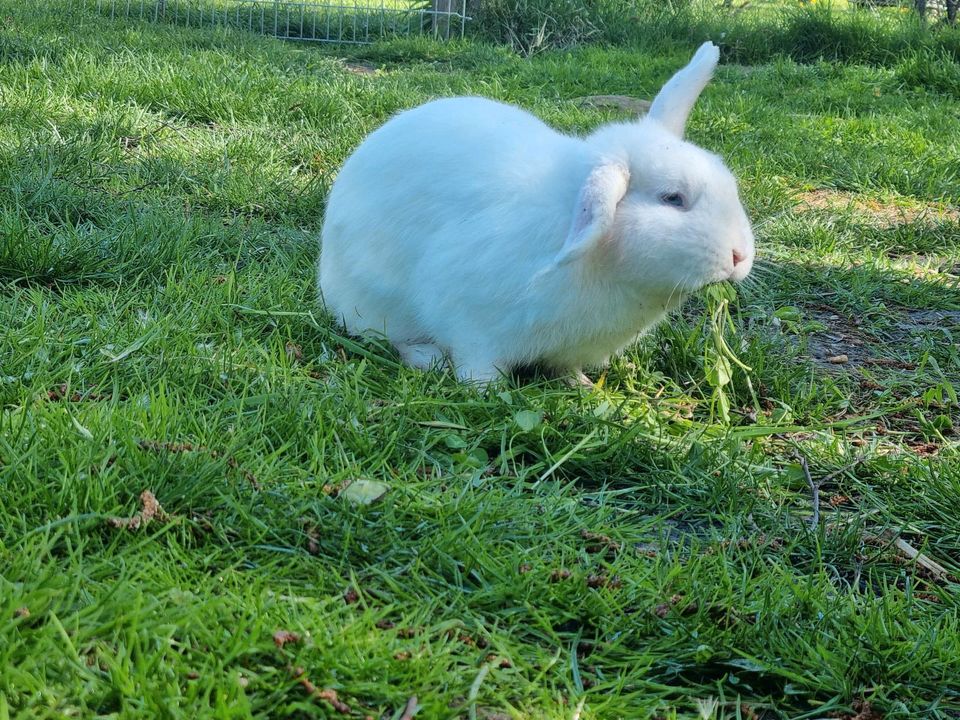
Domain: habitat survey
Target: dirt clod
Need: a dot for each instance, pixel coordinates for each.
(602, 581)
(862, 710)
(331, 697)
(598, 542)
(283, 637)
(151, 510)
(294, 352)
(500, 662)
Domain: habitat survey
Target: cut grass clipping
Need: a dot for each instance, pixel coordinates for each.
(719, 360)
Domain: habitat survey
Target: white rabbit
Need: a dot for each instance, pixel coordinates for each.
(469, 229)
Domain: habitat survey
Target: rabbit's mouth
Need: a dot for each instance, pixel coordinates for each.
(733, 268)
(742, 265)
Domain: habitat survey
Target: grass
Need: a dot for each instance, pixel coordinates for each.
(748, 32)
(540, 550)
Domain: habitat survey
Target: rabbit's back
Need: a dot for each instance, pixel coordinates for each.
(446, 210)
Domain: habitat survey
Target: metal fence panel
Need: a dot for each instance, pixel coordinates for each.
(346, 21)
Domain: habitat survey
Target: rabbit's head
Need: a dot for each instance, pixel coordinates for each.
(657, 212)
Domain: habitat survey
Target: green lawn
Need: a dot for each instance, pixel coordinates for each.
(542, 552)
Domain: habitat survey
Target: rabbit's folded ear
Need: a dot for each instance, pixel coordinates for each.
(672, 105)
(596, 206)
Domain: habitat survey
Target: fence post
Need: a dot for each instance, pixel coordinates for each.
(444, 10)
(441, 17)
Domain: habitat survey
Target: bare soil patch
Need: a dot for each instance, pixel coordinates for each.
(875, 212)
(626, 103)
(846, 338)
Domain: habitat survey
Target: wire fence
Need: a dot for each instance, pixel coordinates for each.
(356, 22)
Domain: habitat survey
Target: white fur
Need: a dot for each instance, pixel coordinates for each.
(470, 229)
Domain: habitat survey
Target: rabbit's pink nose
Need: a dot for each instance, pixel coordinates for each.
(738, 257)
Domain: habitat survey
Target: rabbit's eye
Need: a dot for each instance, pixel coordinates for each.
(675, 199)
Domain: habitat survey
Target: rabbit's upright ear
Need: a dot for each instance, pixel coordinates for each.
(672, 105)
(596, 206)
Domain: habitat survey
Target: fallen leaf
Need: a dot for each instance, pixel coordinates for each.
(527, 420)
(132, 347)
(350, 595)
(84, 433)
(364, 492)
(22, 612)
